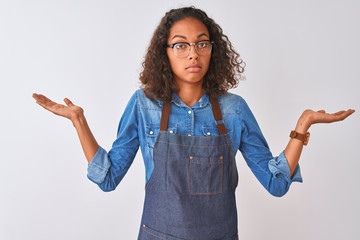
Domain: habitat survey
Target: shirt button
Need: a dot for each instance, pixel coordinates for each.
(151, 132)
(208, 133)
(189, 112)
(189, 135)
(171, 131)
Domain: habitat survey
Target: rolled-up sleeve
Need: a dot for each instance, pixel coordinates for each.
(272, 172)
(99, 166)
(108, 169)
(280, 165)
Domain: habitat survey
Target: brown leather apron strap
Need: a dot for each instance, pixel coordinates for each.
(215, 108)
(165, 116)
(219, 121)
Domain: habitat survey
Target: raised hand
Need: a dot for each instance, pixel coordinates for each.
(310, 117)
(76, 115)
(69, 110)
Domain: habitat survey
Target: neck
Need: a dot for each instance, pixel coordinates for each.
(190, 94)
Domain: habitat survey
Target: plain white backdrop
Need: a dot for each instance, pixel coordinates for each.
(299, 55)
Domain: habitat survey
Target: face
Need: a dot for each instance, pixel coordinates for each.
(190, 69)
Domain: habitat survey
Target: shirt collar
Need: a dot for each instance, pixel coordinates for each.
(203, 101)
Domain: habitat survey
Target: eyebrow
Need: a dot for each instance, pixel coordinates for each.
(180, 36)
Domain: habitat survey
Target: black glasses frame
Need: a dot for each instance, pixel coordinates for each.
(190, 44)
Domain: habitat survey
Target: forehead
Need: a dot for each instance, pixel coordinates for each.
(188, 27)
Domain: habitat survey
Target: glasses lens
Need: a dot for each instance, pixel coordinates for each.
(181, 49)
(203, 47)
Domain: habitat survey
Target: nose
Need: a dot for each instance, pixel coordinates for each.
(193, 53)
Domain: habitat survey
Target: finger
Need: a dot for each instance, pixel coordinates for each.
(45, 102)
(341, 115)
(321, 111)
(345, 113)
(42, 98)
(68, 102)
(37, 97)
(339, 112)
(349, 112)
(44, 105)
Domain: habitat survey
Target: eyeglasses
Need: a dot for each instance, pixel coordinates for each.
(182, 49)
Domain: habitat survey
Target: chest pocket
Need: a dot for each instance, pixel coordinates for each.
(214, 131)
(152, 132)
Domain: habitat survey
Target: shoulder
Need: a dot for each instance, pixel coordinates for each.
(231, 103)
(146, 103)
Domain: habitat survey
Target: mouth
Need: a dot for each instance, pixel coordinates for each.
(193, 68)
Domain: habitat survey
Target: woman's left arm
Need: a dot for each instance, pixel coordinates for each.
(293, 149)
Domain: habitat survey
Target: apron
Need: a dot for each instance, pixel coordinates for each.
(191, 192)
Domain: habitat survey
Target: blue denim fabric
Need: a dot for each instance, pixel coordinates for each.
(191, 193)
(140, 126)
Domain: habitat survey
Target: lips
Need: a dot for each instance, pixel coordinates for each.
(193, 68)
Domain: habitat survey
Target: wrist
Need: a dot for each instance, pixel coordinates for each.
(302, 127)
(303, 123)
(78, 120)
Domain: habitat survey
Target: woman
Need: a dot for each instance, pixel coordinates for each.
(189, 129)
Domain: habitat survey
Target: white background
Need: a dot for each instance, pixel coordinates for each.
(299, 55)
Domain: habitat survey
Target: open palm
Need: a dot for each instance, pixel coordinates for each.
(323, 117)
(69, 110)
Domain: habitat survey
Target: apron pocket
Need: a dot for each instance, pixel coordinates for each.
(206, 175)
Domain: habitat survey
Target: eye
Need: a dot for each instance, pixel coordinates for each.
(180, 46)
(203, 44)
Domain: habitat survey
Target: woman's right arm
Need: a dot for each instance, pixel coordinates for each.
(106, 168)
(76, 115)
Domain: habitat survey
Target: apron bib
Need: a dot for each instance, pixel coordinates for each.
(191, 193)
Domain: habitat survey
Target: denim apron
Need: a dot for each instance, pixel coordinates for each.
(191, 193)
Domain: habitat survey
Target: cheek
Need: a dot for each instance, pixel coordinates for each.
(173, 65)
(176, 66)
(172, 60)
(207, 62)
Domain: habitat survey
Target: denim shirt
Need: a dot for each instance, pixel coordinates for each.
(140, 126)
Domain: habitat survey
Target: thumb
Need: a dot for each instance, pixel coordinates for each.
(68, 102)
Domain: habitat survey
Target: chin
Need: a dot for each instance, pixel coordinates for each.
(195, 82)
(190, 79)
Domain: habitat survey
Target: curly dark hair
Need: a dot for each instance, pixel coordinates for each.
(225, 69)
